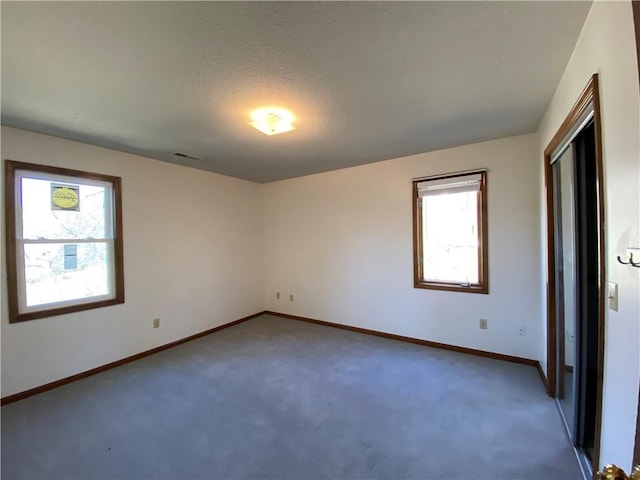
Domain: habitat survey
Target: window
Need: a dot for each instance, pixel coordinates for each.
(64, 240)
(450, 232)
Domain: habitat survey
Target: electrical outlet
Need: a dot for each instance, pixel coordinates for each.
(522, 330)
(278, 295)
(291, 297)
(156, 323)
(483, 324)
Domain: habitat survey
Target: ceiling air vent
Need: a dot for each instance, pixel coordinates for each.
(186, 155)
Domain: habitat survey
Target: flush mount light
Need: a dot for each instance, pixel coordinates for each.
(272, 120)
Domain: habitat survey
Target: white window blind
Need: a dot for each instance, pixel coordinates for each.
(440, 186)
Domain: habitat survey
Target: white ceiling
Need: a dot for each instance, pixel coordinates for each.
(368, 81)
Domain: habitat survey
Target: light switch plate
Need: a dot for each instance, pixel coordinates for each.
(613, 296)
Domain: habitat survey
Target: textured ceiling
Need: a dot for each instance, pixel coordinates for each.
(368, 81)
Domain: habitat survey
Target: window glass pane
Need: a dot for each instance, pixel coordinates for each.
(62, 272)
(450, 236)
(43, 218)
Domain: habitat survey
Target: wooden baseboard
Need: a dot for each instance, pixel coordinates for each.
(543, 377)
(426, 343)
(78, 376)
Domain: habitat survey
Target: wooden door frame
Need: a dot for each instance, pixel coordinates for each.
(635, 4)
(636, 450)
(589, 97)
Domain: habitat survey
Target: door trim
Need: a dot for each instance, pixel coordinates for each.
(635, 5)
(636, 450)
(589, 98)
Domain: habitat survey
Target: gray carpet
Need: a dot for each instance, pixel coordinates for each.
(280, 399)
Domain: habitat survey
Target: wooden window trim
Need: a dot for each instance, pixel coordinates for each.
(11, 251)
(483, 251)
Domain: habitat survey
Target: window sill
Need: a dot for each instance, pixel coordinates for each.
(52, 312)
(452, 287)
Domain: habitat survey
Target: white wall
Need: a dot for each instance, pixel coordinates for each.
(192, 257)
(607, 46)
(341, 242)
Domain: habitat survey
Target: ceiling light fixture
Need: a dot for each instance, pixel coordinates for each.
(272, 120)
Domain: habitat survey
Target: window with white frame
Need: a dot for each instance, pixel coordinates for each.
(450, 232)
(64, 240)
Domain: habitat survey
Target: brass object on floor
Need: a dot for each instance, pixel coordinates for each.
(613, 472)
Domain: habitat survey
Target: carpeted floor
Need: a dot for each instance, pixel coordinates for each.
(280, 399)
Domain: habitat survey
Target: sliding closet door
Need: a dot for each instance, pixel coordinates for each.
(566, 295)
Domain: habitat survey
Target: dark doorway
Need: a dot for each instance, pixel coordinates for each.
(587, 288)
